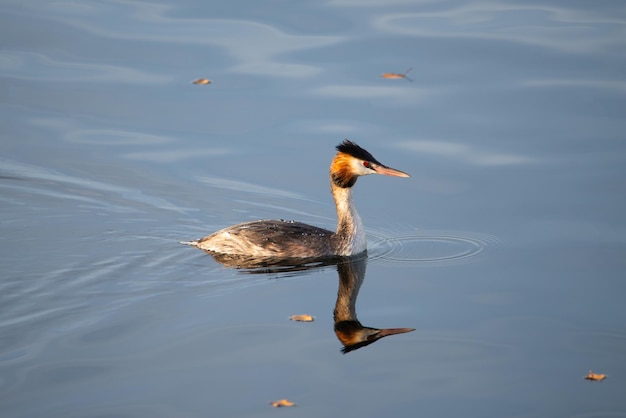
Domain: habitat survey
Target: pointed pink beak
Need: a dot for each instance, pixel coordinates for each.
(393, 331)
(388, 171)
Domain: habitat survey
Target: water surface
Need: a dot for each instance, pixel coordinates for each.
(505, 250)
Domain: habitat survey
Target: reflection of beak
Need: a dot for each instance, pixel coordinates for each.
(353, 335)
(391, 331)
(388, 171)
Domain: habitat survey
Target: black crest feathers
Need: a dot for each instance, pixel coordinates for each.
(351, 148)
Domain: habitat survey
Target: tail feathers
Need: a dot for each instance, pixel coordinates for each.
(192, 243)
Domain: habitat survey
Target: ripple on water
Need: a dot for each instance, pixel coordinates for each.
(427, 247)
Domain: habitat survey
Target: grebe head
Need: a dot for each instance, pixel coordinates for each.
(353, 335)
(353, 161)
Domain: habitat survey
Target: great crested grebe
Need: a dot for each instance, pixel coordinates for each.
(280, 239)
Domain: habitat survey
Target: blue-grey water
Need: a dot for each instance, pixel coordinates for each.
(505, 250)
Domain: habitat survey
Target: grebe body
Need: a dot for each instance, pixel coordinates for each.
(291, 239)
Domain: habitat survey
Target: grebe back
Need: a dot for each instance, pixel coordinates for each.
(291, 239)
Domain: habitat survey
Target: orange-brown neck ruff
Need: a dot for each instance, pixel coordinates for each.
(341, 172)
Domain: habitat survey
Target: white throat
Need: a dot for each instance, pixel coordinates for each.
(349, 224)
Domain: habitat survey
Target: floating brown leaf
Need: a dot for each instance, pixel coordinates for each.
(397, 75)
(202, 81)
(392, 75)
(595, 376)
(282, 402)
(302, 318)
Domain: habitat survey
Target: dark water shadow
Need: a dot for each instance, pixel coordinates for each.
(349, 330)
(267, 265)
(351, 270)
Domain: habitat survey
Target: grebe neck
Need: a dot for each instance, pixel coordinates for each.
(350, 235)
(351, 276)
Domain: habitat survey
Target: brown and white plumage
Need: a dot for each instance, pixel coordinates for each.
(290, 239)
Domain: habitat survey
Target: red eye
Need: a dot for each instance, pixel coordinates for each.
(367, 164)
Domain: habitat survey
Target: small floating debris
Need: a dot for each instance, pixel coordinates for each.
(397, 75)
(302, 318)
(282, 402)
(202, 81)
(595, 376)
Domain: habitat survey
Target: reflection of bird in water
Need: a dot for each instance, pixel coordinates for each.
(348, 329)
(352, 334)
(279, 239)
